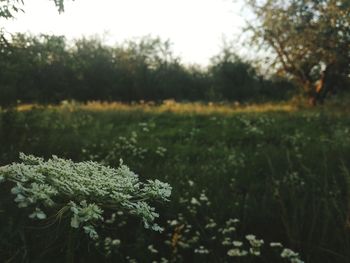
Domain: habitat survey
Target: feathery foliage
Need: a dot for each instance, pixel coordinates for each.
(84, 190)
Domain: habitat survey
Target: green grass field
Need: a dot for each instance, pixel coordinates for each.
(284, 173)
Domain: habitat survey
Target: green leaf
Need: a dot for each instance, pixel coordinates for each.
(15, 190)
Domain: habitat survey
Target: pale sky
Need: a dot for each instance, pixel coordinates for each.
(196, 28)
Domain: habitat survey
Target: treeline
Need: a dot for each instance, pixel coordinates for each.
(48, 69)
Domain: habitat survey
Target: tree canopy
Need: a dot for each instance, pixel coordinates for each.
(309, 38)
(50, 69)
(9, 8)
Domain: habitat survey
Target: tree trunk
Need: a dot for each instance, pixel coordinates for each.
(309, 90)
(324, 86)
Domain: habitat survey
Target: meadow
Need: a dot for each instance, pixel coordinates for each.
(244, 179)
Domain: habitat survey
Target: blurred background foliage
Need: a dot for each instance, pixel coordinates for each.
(47, 69)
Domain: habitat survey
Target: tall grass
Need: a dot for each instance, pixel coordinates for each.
(282, 172)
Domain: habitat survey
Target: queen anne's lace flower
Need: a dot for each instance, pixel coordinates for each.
(85, 190)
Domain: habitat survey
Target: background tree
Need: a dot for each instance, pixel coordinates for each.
(48, 69)
(233, 78)
(9, 8)
(310, 40)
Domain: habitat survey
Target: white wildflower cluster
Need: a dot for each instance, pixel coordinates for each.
(160, 151)
(276, 244)
(236, 159)
(110, 245)
(85, 191)
(157, 189)
(211, 224)
(85, 213)
(250, 127)
(147, 126)
(126, 146)
(252, 246)
(293, 179)
(195, 203)
(201, 250)
(255, 245)
(228, 229)
(265, 121)
(130, 147)
(287, 253)
(297, 141)
(292, 256)
(203, 198)
(185, 237)
(130, 260)
(152, 249)
(144, 126)
(162, 260)
(236, 252)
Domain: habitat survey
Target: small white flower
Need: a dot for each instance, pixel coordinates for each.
(250, 237)
(229, 230)
(226, 242)
(235, 252)
(203, 197)
(194, 201)
(296, 260)
(288, 253)
(256, 243)
(152, 249)
(275, 244)
(237, 243)
(254, 251)
(201, 250)
(116, 242)
(173, 222)
(211, 224)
